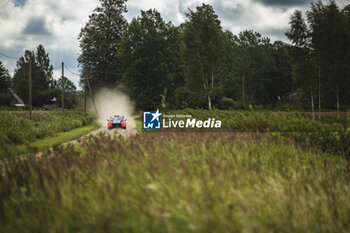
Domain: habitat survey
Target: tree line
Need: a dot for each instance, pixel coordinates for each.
(44, 86)
(198, 64)
(320, 54)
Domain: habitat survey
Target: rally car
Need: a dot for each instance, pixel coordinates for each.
(116, 121)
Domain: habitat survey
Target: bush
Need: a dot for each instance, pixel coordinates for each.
(17, 128)
(228, 103)
(329, 137)
(5, 99)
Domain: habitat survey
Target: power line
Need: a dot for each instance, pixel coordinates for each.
(71, 71)
(8, 56)
(56, 67)
(106, 72)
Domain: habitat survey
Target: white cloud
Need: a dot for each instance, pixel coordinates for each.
(63, 20)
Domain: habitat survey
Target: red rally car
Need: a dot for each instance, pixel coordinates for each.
(116, 122)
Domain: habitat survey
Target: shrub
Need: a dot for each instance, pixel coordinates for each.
(327, 136)
(17, 128)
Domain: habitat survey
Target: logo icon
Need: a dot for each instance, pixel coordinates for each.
(151, 120)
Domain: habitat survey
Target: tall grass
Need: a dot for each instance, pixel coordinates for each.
(16, 127)
(332, 137)
(178, 182)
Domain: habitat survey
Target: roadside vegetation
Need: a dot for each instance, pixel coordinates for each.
(16, 128)
(194, 182)
(332, 137)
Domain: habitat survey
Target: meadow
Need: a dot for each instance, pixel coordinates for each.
(17, 128)
(178, 182)
(328, 134)
(252, 180)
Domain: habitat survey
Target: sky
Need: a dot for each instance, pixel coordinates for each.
(24, 24)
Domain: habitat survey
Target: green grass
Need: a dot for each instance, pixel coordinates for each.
(331, 136)
(178, 182)
(17, 128)
(49, 142)
(139, 125)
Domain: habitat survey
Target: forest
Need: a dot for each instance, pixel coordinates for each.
(198, 64)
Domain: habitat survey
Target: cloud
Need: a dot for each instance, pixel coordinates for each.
(36, 26)
(25, 24)
(170, 10)
(235, 15)
(20, 2)
(285, 2)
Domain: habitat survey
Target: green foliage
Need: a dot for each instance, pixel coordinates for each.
(5, 99)
(203, 51)
(227, 103)
(41, 76)
(5, 79)
(149, 52)
(321, 49)
(42, 145)
(17, 128)
(176, 182)
(99, 42)
(298, 126)
(197, 64)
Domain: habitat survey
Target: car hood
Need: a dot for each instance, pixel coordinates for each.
(116, 121)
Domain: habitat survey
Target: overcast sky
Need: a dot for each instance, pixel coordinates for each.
(24, 24)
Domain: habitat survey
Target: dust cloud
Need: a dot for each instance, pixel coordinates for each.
(113, 102)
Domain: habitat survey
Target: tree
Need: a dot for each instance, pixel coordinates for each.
(335, 41)
(70, 92)
(301, 53)
(325, 46)
(69, 86)
(298, 31)
(203, 50)
(5, 78)
(148, 52)
(253, 66)
(5, 82)
(99, 43)
(43, 62)
(314, 17)
(280, 75)
(42, 80)
(346, 58)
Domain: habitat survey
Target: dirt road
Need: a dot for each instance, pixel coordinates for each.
(130, 130)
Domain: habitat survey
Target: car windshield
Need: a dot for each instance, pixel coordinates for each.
(117, 118)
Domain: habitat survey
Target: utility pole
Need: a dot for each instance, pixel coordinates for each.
(84, 93)
(62, 86)
(92, 96)
(30, 87)
(243, 90)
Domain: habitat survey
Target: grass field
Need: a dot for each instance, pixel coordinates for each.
(331, 135)
(183, 181)
(49, 142)
(193, 182)
(21, 134)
